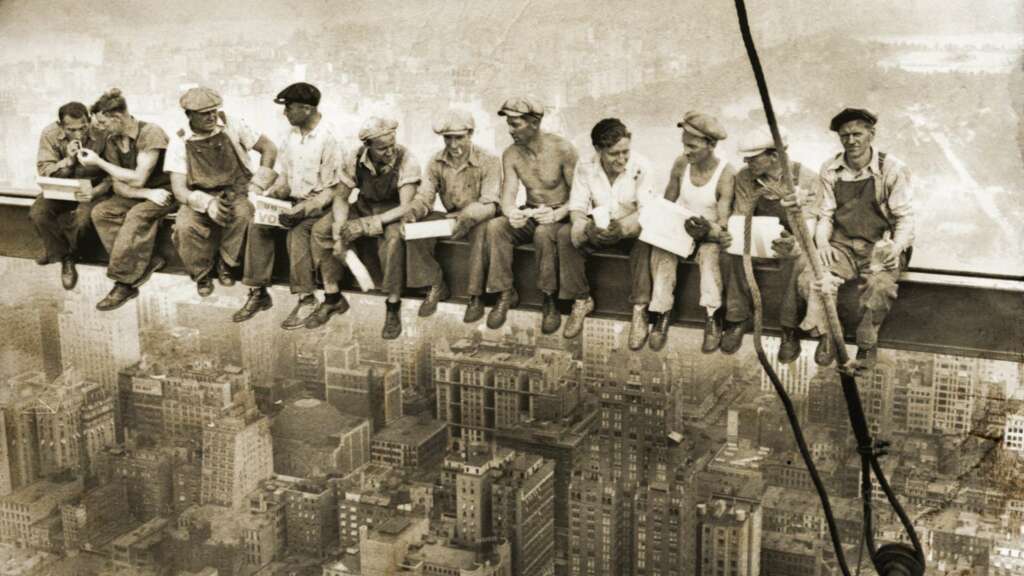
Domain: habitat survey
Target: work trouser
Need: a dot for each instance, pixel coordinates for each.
(128, 228)
(62, 226)
(738, 302)
(663, 273)
(260, 253)
(572, 271)
(199, 239)
(422, 267)
(389, 248)
(878, 290)
(503, 238)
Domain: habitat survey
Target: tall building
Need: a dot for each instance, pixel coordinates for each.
(598, 526)
(659, 538)
(411, 442)
(795, 376)
(311, 518)
(237, 455)
(523, 512)
(728, 538)
(311, 438)
(601, 337)
(259, 352)
(146, 477)
(1013, 432)
(364, 388)
(473, 484)
(955, 383)
(30, 506)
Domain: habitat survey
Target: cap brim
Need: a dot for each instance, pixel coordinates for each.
(510, 113)
(207, 109)
(280, 100)
(451, 132)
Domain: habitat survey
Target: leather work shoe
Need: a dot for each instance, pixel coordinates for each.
(303, 309)
(324, 311)
(120, 294)
(437, 293)
(68, 273)
(712, 334)
(259, 300)
(156, 264)
(474, 310)
(551, 318)
(509, 299)
(867, 358)
(659, 334)
(43, 259)
(789, 349)
(732, 338)
(580, 310)
(204, 286)
(224, 274)
(638, 328)
(825, 353)
(392, 321)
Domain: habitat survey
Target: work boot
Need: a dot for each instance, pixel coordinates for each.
(43, 259)
(68, 273)
(392, 321)
(156, 263)
(789, 349)
(118, 295)
(259, 300)
(551, 318)
(659, 334)
(639, 327)
(437, 293)
(224, 274)
(332, 304)
(474, 310)
(732, 338)
(303, 309)
(204, 286)
(580, 310)
(712, 333)
(509, 299)
(825, 353)
(867, 358)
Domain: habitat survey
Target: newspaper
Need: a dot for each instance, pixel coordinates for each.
(267, 210)
(662, 225)
(763, 231)
(67, 189)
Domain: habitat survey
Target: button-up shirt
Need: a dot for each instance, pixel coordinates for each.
(591, 188)
(478, 179)
(747, 190)
(242, 137)
(408, 172)
(311, 162)
(53, 148)
(894, 196)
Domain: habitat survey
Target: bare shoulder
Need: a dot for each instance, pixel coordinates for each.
(679, 165)
(512, 155)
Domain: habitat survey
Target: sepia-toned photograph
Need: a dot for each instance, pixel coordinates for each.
(511, 288)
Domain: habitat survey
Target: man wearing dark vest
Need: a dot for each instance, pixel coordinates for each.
(865, 228)
(59, 144)
(387, 176)
(128, 222)
(758, 190)
(211, 177)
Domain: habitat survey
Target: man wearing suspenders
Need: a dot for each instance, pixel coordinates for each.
(703, 184)
(865, 228)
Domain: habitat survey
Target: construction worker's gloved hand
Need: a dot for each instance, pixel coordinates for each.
(610, 235)
(365, 226)
(697, 227)
(409, 217)
(829, 285)
(220, 211)
(784, 245)
(262, 180)
(464, 222)
(290, 219)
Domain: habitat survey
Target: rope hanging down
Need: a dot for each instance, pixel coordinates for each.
(891, 559)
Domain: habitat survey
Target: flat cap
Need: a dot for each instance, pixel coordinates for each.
(199, 99)
(454, 121)
(375, 127)
(521, 106)
(299, 93)
(703, 125)
(849, 114)
(758, 141)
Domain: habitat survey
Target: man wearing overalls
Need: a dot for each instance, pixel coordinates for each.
(759, 191)
(865, 227)
(386, 175)
(210, 175)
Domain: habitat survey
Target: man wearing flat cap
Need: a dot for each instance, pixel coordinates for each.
(865, 228)
(759, 191)
(309, 167)
(543, 163)
(467, 179)
(211, 175)
(386, 175)
(702, 183)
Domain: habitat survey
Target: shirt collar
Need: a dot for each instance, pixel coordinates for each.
(473, 159)
(134, 127)
(839, 164)
(368, 163)
(312, 134)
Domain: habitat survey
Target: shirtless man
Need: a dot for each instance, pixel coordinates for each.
(544, 164)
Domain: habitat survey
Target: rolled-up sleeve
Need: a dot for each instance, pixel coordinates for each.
(901, 204)
(332, 164)
(49, 153)
(175, 160)
(347, 174)
(409, 172)
(580, 196)
(490, 183)
(423, 201)
(827, 207)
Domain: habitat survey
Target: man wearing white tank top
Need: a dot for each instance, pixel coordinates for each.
(703, 184)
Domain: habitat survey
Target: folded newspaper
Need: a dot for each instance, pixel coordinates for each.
(268, 209)
(661, 225)
(362, 275)
(428, 229)
(67, 189)
(763, 231)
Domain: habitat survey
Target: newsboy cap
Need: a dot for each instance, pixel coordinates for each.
(849, 114)
(454, 122)
(199, 99)
(703, 125)
(375, 127)
(299, 93)
(758, 141)
(521, 106)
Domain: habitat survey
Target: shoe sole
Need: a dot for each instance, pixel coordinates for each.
(253, 315)
(471, 319)
(332, 314)
(123, 302)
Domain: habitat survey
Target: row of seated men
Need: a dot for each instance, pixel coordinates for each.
(859, 207)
